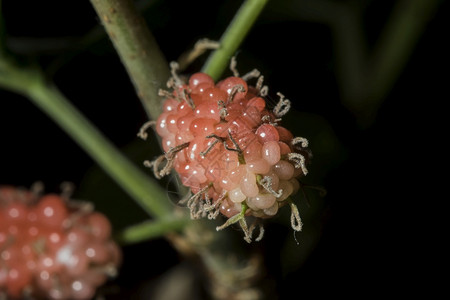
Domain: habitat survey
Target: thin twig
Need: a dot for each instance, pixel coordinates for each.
(150, 229)
(200, 47)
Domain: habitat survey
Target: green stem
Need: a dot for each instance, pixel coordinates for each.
(398, 41)
(137, 48)
(351, 51)
(150, 229)
(48, 98)
(394, 49)
(236, 218)
(233, 37)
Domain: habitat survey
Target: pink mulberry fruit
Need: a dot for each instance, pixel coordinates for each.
(229, 148)
(51, 248)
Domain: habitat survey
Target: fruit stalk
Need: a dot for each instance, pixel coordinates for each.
(233, 37)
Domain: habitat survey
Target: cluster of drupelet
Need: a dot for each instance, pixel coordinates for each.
(229, 148)
(52, 248)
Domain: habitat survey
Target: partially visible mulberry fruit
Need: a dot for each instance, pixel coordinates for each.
(229, 148)
(51, 248)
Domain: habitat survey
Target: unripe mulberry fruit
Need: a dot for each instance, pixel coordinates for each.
(229, 148)
(51, 248)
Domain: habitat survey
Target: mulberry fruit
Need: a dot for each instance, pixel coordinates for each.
(229, 148)
(51, 248)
